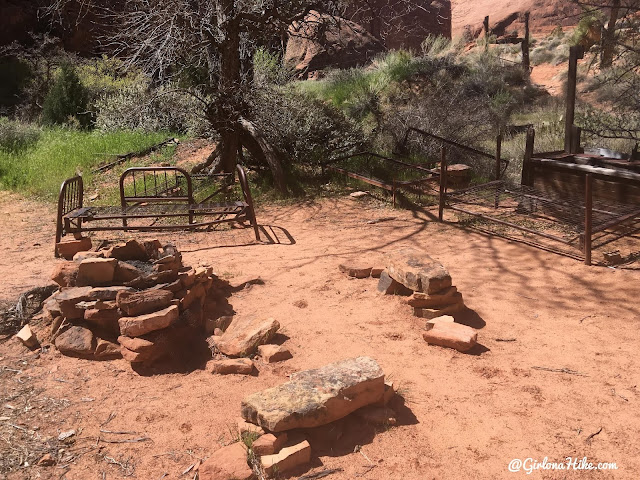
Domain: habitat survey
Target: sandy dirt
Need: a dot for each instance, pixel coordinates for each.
(463, 415)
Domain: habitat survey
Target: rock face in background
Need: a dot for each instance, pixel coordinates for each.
(82, 29)
(506, 16)
(322, 41)
(401, 25)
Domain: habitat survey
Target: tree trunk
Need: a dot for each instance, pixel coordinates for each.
(208, 162)
(260, 148)
(230, 101)
(609, 37)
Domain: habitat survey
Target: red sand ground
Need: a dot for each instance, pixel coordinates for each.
(466, 416)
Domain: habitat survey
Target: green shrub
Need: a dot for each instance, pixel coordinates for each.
(268, 69)
(541, 55)
(307, 130)
(67, 100)
(16, 137)
(435, 45)
(587, 30)
(139, 108)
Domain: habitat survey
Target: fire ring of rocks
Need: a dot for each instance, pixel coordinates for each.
(138, 301)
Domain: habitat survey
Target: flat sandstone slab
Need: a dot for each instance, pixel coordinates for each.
(417, 271)
(138, 326)
(317, 397)
(245, 334)
(451, 335)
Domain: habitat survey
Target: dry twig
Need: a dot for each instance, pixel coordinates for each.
(588, 439)
(561, 370)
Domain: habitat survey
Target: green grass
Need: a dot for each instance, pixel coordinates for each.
(343, 88)
(62, 153)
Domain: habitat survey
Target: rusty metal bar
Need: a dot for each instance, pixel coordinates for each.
(588, 217)
(454, 144)
(357, 176)
(509, 224)
(616, 221)
(382, 157)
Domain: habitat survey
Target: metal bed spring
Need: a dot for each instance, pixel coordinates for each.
(499, 202)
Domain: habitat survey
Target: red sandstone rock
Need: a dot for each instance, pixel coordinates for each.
(27, 337)
(104, 319)
(138, 303)
(288, 458)
(355, 272)
(274, 353)
(245, 334)
(241, 366)
(316, 397)
(96, 271)
(269, 444)
(228, 463)
(76, 341)
(131, 250)
(246, 428)
(126, 273)
(451, 335)
(68, 298)
(106, 350)
(417, 271)
(68, 248)
(448, 296)
(142, 324)
(65, 274)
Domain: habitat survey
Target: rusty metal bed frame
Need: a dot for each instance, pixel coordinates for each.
(150, 193)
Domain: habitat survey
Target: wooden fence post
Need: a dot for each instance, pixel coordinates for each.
(576, 134)
(588, 217)
(575, 53)
(486, 33)
(498, 164)
(526, 63)
(527, 168)
(443, 181)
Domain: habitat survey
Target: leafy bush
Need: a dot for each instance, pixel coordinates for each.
(541, 55)
(139, 108)
(67, 100)
(268, 69)
(16, 137)
(435, 45)
(307, 130)
(587, 31)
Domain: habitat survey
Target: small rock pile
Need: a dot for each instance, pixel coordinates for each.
(133, 300)
(276, 419)
(427, 283)
(245, 337)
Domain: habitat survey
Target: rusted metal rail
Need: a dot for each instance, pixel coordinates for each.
(394, 185)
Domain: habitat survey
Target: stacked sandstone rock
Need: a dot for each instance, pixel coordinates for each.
(244, 337)
(131, 300)
(279, 423)
(433, 296)
(427, 283)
